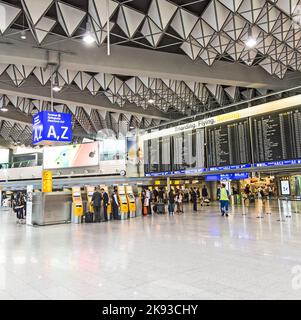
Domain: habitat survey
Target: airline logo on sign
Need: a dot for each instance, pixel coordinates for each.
(52, 126)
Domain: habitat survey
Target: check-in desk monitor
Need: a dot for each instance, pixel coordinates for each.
(89, 193)
(131, 201)
(77, 202)
(124, 208)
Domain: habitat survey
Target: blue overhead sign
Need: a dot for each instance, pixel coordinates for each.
(229, 176)
(51, 126)
(278, 163)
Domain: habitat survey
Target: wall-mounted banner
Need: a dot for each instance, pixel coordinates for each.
(51, 127)
(71, 156)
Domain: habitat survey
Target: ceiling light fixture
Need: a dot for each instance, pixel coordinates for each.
(151, 101)
(251, 42)
(3, 108)
(132, 127)
(56, 86)
(23, 35)
(88, 37)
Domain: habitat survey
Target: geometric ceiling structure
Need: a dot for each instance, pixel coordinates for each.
(205, 30)
(188, 56)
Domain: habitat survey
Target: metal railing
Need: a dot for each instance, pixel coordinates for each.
(20, 164)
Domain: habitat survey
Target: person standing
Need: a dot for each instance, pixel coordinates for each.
(194, 199)
(143, 195)
(224, 200)
(171, 202)
(179, 201)
(161, 195)
(147, 201)
(115, 205)
(204, 194)
(105, 203)
(247, 192)
(96, 202)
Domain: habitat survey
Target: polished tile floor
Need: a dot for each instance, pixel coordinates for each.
(192, 256)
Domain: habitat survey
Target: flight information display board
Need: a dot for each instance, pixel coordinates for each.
(277, 136)
(229, 144)
(180, 152)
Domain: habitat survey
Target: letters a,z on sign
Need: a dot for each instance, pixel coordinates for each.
(52, 126)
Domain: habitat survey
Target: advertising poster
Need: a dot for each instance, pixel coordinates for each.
(132, 156)
(78, 155)
(285, 187)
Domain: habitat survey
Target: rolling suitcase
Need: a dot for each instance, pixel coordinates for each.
(88, 217)
(161, 208)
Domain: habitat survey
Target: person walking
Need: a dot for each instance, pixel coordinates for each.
(194, 199)
(105, 203)
(96, 202)
(115, 205)
(171, 202)
(224, 200)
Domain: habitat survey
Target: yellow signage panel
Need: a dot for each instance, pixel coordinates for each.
(47, 181)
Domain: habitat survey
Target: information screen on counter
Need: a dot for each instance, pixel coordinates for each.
(229, 144)
(277, 136)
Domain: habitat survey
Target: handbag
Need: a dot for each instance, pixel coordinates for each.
(145, 210)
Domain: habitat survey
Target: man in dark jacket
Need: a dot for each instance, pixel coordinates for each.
(96, 201)
(115, 205)
(105, 203)
(194, 199)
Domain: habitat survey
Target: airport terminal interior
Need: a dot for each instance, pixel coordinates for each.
(150, 149)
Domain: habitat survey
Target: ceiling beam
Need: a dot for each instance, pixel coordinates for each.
(72, 96)
(131, 61)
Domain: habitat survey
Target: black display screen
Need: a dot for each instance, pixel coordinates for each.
(181, 151)
(229, 144)
(277, 136)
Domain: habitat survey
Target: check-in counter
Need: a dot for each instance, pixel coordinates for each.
(51, 208)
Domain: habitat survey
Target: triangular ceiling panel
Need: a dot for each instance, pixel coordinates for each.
(183, 23)
(43, 27)
(233, 5)
(129, 20)
(69, 17)
(35, 9)
(215, 15)
(98, 10)
(10, 13)
(161, 12)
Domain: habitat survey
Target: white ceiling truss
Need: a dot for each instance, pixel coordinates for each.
(181, 96)
(217, 31)
(87, 121)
